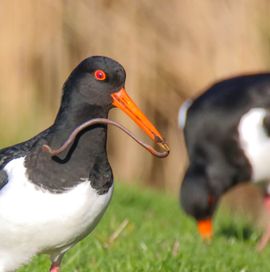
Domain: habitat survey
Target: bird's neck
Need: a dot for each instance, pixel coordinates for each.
(90, 139)
(84, 159)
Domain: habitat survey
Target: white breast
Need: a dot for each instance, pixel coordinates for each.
(255, 143)
(34, 220)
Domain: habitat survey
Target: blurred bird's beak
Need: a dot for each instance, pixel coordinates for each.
(122, 101)
(205, 228)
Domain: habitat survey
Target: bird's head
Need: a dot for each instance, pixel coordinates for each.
(198, 201)
(100, 81)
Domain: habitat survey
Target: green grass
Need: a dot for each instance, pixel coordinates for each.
(159, 237)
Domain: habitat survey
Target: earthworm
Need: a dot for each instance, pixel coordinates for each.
(72, 136)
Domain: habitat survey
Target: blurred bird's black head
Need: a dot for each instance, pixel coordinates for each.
(197, 199)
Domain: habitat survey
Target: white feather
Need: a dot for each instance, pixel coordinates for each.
(34, 221)
(255, 143)
(182, 114)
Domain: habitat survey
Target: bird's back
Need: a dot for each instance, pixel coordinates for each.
(217, 112)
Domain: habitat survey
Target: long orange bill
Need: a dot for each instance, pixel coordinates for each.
(122, 101)
(205, 228)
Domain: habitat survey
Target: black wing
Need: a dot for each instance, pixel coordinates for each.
(3, 179)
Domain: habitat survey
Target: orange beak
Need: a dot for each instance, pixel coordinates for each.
(122, 101)
(205, 229)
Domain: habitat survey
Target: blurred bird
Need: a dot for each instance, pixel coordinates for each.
(49, 203)
(227, 135)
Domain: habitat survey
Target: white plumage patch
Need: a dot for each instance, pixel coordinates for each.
(255, 143)
(33, 220)
(182, 114)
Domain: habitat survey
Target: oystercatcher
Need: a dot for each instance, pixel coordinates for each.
(227, 135)
(49, 203)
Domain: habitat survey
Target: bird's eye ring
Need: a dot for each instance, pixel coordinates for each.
(100, 75)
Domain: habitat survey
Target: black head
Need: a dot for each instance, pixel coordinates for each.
(95, 79)
(95, 86)
(197, 199)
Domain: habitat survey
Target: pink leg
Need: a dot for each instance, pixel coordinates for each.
(264, 240)
(266, 202)
(55, 267)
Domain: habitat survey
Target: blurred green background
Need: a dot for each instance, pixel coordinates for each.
(171, 50)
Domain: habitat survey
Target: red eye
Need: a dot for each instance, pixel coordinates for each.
(100, 75)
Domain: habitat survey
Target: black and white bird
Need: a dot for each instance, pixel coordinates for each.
(227, 136)
(49, 203)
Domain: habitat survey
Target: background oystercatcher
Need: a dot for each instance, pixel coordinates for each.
(49, 203)
(227, 135)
